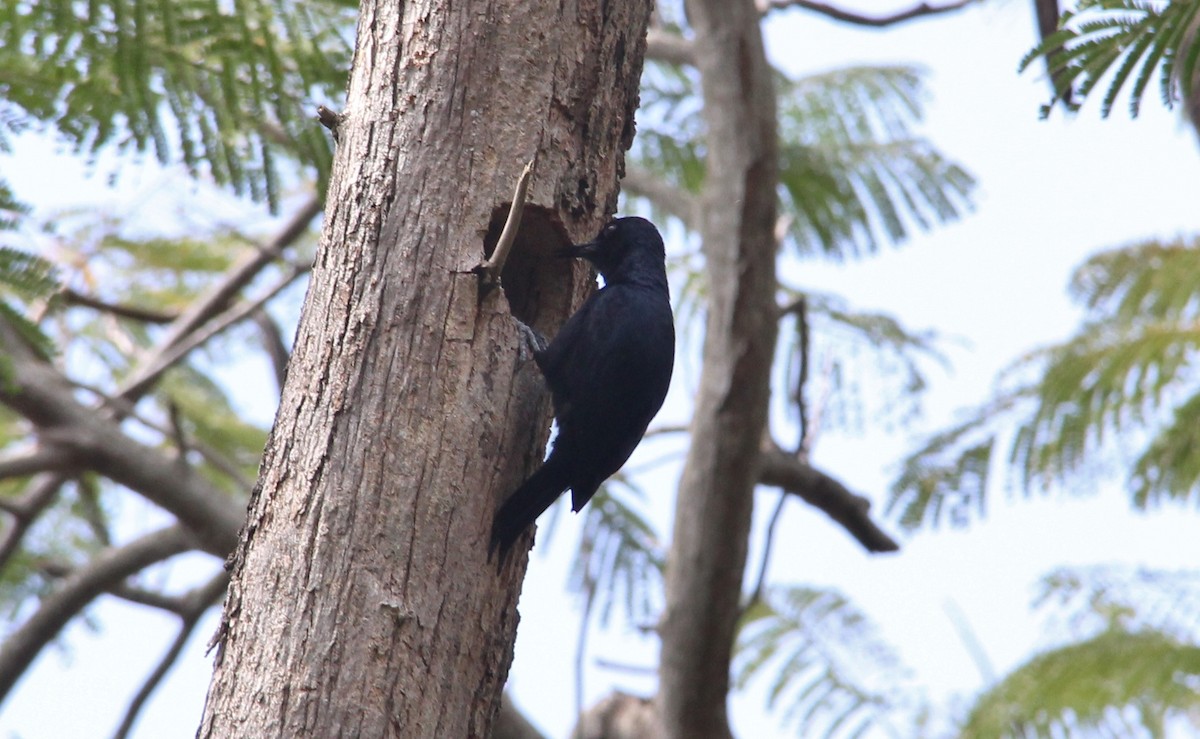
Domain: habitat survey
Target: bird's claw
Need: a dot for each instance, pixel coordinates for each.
(531, 341)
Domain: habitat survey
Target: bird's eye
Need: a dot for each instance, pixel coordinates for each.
(610, 229)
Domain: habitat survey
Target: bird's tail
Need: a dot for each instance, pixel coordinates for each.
(528, 502)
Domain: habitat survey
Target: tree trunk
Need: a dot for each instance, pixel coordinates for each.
(362, 602)
(716, 492)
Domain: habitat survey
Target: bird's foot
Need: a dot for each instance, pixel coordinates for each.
(531, 341)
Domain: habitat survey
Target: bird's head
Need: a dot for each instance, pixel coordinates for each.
(627, 250)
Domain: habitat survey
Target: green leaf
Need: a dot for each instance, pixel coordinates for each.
(853, 172)
(1113, 684)
(1114, 38)
(226, 90)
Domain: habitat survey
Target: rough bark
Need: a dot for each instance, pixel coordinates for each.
(712, 515)
(362, 601)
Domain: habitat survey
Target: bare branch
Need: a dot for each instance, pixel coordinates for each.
(272, 339)
(776, 515)
(678, 203)
(37, 391)
(148, 372)
(219, 297)
(43, 458)
(149, 598)
(847, 16)
(199, 601)
(39, 494)
(105, 570)
(669, 47)
(821, 491)
(71, 297)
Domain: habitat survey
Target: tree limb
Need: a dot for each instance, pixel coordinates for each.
(821, 491)
(71, 297)
(219, 296)
(197, 602)
(43, 458)
(149, 370)
(104, 571)
(36, 390)
(272, 340)
(669, 47)
(848, 16)
(39, 494)
(714, 506)
(677, 202)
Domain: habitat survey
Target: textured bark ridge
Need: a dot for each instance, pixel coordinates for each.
(362, 603)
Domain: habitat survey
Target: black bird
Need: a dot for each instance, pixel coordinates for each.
(608, 370)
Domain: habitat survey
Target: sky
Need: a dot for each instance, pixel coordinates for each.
(1051, 192)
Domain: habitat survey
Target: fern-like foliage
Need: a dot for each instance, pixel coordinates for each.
(855, 354)
(1129, 375)
(1116, 684)
(945, 481)
(1088, 600)
(225, 88)
(25, 277)
(1129, 42)
(1127, 383)
(620, 561)
(827, 668)
(854, 173)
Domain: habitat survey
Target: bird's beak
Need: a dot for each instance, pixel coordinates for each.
(580, 251)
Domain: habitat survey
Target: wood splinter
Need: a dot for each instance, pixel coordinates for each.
(489, 270)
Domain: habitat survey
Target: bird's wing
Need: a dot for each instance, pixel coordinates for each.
(612, 360)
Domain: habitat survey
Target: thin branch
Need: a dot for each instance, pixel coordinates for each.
(92, 512)
(670, 47)
(852, 512)
(148, 372)
(170, 603)
(199, 601)
(805, 441)
(678, 203)
(178, 435)
(103, 572)
(71, 297)
(491, 268)
(216, 458)
(218, 298)
(776, 516)
(38, 495)
(272, 339)
(847, 16)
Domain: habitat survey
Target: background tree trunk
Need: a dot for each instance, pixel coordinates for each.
(716, 493)
(362, 602)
